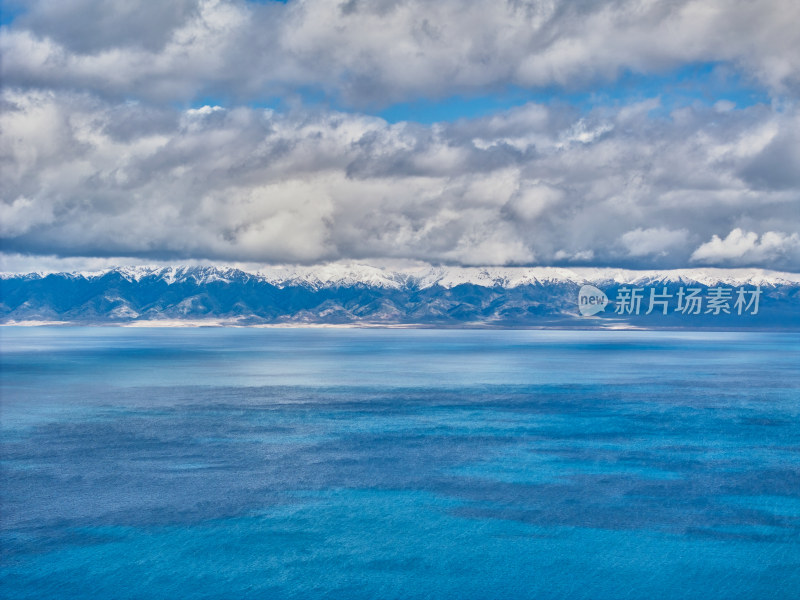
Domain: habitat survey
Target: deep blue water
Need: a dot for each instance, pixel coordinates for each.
(355, 464)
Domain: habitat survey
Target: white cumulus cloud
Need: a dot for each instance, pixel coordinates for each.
(746, 248)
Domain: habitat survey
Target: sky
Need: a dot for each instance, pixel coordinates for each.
(623, 133)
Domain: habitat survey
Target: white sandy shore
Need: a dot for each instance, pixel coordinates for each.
(232, 323)
(206, 323)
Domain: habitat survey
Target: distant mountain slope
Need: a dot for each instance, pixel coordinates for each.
(435, 296)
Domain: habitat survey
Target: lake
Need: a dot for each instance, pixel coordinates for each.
(380, 463)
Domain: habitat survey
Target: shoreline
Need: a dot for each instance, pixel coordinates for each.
(226, 324)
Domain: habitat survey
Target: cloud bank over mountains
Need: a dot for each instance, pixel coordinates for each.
(140, 130)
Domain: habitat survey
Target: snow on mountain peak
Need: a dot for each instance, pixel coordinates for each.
(350, 274)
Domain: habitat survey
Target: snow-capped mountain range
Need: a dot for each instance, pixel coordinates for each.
(340, 275)
(357, 294)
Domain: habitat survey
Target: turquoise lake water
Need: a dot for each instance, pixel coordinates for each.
(355, 464)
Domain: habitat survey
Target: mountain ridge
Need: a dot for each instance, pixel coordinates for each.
(365, 295)
(423, 277)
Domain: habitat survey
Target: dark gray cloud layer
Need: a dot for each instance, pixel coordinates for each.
(97, 160)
